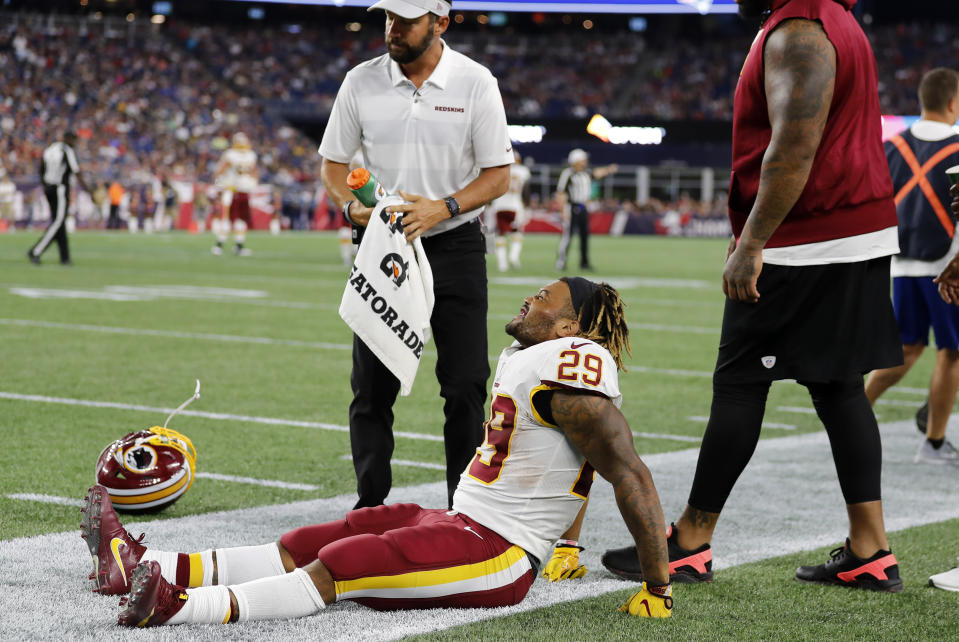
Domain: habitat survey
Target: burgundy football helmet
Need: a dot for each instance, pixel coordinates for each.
(149, 469)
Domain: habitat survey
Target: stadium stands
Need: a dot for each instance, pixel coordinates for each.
(155, 103)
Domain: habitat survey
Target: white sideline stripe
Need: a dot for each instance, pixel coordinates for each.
(46, 499)
(799, 409)
(773, 424)
(131, 294)
(911, 391)
(404, 462)
(653, 327)
(232, 338)
(66, 501)
(620, 283)
(272, 483)
(669, 371)
(659, 435)
(899, 402)
(272, 421)
(685, 329)
(766, 424)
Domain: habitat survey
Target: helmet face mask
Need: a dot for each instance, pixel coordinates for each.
(147, 470)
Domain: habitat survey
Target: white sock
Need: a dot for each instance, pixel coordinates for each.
(501, 255)
(239, 231)
(284, 597)
(246, 563)
(220, 228)
(166, 560)
(168, 564)
(515, 248)
(207, 605)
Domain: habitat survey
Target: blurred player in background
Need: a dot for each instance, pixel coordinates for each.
(507, 216)
(237, 176)
(573, 192)
(57, 165)
(115, 193)
(918, 158)
(8, 199)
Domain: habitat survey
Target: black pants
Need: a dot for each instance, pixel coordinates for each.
(578, 223)
(58, 196)
(458, 261)
(113, 222)
(735, 420)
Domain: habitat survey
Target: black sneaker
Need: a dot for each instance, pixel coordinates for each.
(922, 417)
(33, 258)
(878, 573)
(685, 567)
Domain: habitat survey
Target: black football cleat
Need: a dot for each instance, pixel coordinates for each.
(878, 573)
(685, 567)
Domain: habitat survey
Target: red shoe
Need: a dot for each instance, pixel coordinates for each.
(152, 599)
(878, 573)
(685, 566)
(115, 552)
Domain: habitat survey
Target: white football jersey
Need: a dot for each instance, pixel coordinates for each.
(240, 170)
(512, 200)
(527, 481)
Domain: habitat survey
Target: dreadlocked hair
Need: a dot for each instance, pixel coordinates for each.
(607, 327)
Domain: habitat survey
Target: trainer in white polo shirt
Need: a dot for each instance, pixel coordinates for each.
(431, 127)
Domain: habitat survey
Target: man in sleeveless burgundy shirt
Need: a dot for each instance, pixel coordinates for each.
(806, 279)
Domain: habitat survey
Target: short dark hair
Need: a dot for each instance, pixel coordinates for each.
(937, 88)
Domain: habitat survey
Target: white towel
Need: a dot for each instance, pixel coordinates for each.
(388, 298)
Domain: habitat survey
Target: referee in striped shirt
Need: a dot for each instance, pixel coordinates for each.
(57, 165)
(573, 191)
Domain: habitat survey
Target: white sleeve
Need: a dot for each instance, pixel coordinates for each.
(342, 137)
(71, 158)
(563, 179)
(491, 143)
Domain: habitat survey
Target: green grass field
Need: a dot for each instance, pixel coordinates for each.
(138, 318)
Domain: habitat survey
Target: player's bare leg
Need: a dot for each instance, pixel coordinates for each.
(515, 248)
(881, 380)
(867, 532)
(942, 392)
(695, 527)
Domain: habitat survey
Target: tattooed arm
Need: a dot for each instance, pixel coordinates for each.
(800, 72)
(599, 430)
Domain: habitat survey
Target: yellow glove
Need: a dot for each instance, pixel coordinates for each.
(646, 604)
(564, 564)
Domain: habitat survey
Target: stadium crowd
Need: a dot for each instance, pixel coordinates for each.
(141, 104)
(622, 75)
(153, 103)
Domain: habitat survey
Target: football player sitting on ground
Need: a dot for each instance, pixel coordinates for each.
(554, 419)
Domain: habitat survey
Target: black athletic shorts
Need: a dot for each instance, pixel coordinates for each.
(811, 323)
